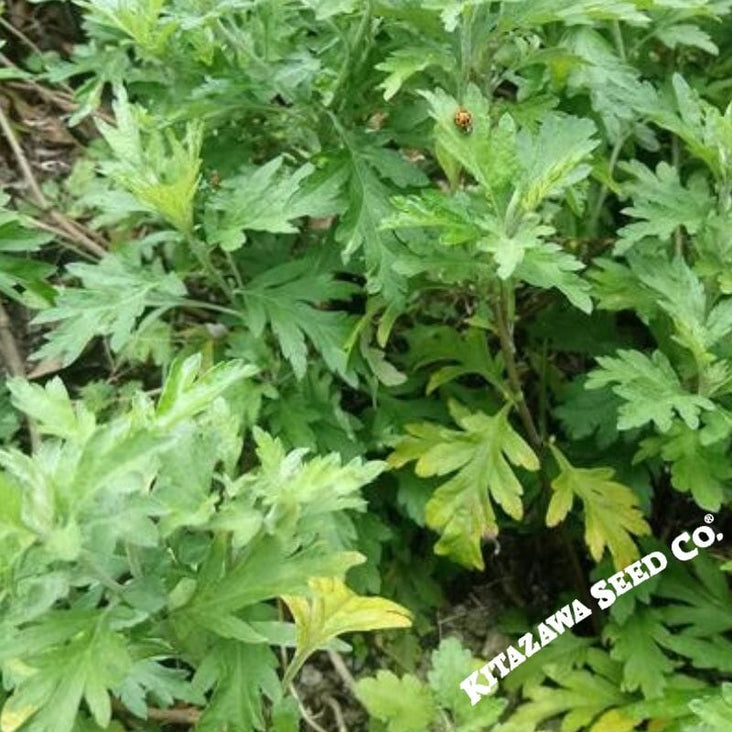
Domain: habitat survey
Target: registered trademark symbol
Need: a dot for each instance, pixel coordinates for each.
(708, 518)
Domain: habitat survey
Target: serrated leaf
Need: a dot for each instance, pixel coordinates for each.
(579, 697)
(488, 152)
(187, 391)
(240, 674)
(661, 204)
(332, 609)
(650, 389)
(51, 407)
(111, 301)
(404, 63)
(269, 198)
(698, 469)
(714, 713)
(287, 297)
(612, 515)
(555, 158)
(550, 266)
(87, 667)
(482, 453)
(163, 174)
(637, 643)
(405, 704)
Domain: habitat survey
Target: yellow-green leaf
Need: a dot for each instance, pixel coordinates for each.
(333, 609)
(482, 454)
(612, 514)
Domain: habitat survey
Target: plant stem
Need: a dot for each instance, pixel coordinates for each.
(508, 348)
(618, 38)
(204, 259)
(14, 363)
(580, 580)
(466, 50)
(602, 196)
(347, 68)
(676, 162)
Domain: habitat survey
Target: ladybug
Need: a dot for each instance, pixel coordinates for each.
(463, 119)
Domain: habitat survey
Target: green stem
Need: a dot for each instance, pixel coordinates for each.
(676, 162)
(210, 306)
(204, 259)
(618, 38)
(502, 309)
(234, 270)
(602, 196)
(348, 68)
(466, 49)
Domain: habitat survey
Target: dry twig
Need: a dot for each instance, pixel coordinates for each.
(306, 715)
(342, 670)
(70, 227)
(337, 713)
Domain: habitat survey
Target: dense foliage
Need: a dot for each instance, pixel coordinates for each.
(346, 306)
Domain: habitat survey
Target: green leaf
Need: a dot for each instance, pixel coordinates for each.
(269, 198)
(612, 515)
(661, 204)
(459, 353)
(686, 34)
(331, 610)
(449, 664)
(585, 412)
(404, 63)
(488, 152)
(289, 298)
(17, 235)
(48, 697)
(187, 391)
(239, 675)
(166, 685)
(52, 409)
(482, 453)
(650, 389)
(528, 13)
(579, 696)
(550, 266)
(113, 298)
(264, 570)
(366, 166)
(555, 158)
(454, 217)
(637, 644)
(163, 174)
(405, 704)
(714, 713)
(699, 469)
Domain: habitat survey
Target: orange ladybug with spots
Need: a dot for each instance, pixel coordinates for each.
(463, 119)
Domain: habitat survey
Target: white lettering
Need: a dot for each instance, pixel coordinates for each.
(515, 658)
(561, 619)
(604, 596)
(546, 635)
(529, 645)
(473, 689)
(580, 610)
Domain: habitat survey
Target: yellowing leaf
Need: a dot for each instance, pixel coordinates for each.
(614, 721)
(611, 509)
(334, 609)
(482, 454)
